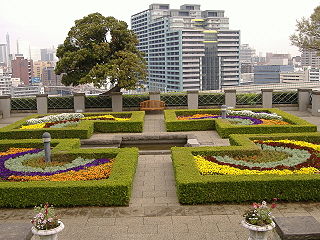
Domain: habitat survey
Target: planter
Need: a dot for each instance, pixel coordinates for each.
(51, 234)
(257, 232)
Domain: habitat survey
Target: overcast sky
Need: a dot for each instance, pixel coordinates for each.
(265, 25)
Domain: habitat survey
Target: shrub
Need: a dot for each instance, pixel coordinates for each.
(193, 188)
(114, 191)
(224, 128)
(83, 130)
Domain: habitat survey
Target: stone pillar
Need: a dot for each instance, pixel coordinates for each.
(79, 102)
(116, 101)
(230, 97)
(193, 102)
(42, 103)
(154, 95)
(5, 106)
(315, 103)
(304, 98)
(267, 98)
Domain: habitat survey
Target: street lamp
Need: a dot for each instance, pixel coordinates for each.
(46, 138)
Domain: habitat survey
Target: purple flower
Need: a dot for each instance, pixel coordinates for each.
(5, 173)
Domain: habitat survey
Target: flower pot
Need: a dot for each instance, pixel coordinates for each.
(258, 232)
(51, 234)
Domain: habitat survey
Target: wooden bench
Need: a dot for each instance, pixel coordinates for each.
(152, 105)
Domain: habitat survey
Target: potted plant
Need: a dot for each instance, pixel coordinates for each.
(45, 223)
(259, 221)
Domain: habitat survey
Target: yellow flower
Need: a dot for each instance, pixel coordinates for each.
(210, 168)
(34, 126)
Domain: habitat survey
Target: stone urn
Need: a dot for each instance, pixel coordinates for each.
(51, 234)
(258, 232)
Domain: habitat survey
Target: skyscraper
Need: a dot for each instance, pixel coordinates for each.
(186, 48)
(9, 56)
(48, 54)
(310, 58)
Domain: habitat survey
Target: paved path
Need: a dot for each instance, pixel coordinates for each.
(154, 211)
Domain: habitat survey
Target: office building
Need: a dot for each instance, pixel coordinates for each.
(3, 55)
(38, 67)
(313, 74)
(246, 53)
(186, 48)
(265, 74)
(293, 77)
(23, 69)
(49, 78)
(48, 54)
(5, 83)
(310, 58)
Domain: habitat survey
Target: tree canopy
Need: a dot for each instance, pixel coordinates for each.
(98, 50)
(308, 32)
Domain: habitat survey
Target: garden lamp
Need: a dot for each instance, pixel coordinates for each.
(224, 109)
(46, 138)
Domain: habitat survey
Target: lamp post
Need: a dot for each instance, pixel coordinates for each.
(46, 138)
(224, 109)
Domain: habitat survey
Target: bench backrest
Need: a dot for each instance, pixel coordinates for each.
(152, 104)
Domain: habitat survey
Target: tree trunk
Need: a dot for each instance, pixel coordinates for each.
(111, 90)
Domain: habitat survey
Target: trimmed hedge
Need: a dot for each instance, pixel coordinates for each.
(224, 128)
(114, 191)
(83, 130)
(193, 188)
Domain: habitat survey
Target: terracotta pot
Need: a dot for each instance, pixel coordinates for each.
(258, 232)
(51, 234)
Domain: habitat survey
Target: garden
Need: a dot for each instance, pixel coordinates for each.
(237, 121)
(73, 125)
(74, 177)
(254, 167)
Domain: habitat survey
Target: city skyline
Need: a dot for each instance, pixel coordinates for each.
(265, 26)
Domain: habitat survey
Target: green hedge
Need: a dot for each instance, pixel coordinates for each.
(224, 128)
(193, 188)
(83, 130)
(114, 191)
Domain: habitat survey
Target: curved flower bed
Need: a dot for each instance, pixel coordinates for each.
(242, 118)
(304, 158)
(65, 120)
(11, 168)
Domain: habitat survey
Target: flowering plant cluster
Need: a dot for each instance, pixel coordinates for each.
(259, 214)
(244, 117)
(12, 169)
(302, 158)
(64, 120)
(259, 115)
(55, 118)
(45, 218)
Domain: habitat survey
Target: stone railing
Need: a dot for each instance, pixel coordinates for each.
(303, 99)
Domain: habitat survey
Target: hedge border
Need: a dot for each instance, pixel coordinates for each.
(83, 130)
(224, 128)
(193, 188)
(114, 191)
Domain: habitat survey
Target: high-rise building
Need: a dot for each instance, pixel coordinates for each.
(186, 48)
(5, 83)
(48, 54)
(23, 69)
(310, 59)
(246, 53)
(3, 55)
(38, 67)
(8, 50)
(49, 78)
(264, 74)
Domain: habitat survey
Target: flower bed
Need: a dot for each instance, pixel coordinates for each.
(247, 121)
(234, 173)
(66, 120)
(303, 159)
(74, 125)
(87, 180)
(12, 167)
